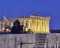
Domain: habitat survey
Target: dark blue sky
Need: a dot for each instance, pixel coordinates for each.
(14, 8)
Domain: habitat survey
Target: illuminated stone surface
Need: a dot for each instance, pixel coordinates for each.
(13, 40)
(30, 40)
(36, 24)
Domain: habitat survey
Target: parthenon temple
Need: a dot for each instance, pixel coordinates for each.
(34, 23)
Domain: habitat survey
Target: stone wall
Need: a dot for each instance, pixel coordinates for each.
(53, 40)
(28, 40)
(14, 40)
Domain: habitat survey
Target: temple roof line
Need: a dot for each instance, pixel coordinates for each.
(47, 17)
(31, 16)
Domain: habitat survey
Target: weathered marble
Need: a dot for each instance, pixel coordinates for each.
(29, 40)
(14, 40)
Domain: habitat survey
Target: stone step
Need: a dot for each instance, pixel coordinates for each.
(40, 40)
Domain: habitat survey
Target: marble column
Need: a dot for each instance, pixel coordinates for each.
(43, 25)
(47, 26)
(40, 25)
(11, 24)
(3, 27)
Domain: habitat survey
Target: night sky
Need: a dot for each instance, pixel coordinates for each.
(15, 8)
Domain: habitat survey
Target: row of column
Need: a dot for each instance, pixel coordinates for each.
(37, 25)
(41, 26)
